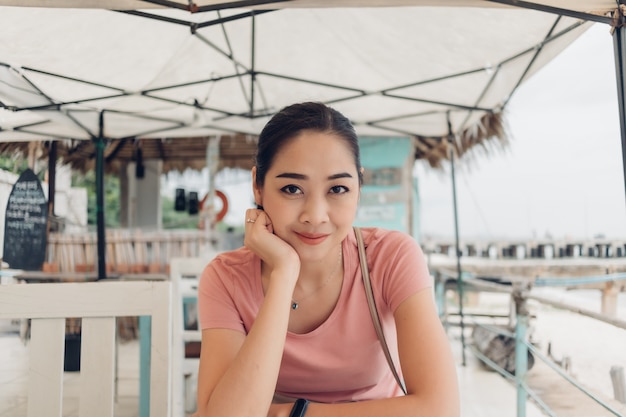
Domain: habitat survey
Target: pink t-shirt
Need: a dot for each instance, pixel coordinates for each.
(341, 360)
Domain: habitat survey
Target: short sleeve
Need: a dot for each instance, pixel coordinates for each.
(397, 266)
(216, 305)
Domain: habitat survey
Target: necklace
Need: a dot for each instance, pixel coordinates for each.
(295, 304)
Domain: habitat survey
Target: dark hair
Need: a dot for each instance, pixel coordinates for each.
(291, 121)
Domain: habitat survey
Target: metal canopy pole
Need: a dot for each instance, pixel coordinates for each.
(252, 62)
(52, 168)
(456, 238)
(619, 42)
(100, 199)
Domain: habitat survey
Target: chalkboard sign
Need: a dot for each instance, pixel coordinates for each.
(25, 224)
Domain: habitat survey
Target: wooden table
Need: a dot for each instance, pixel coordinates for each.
(51, 277)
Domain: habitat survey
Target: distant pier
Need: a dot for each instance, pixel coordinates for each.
(533, 249)
(601, 261)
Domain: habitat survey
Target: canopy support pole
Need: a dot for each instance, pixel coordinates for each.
(459, 281)
(52, 181)
(619, 43)
(212, 161)
(100, 199)
(252, 59)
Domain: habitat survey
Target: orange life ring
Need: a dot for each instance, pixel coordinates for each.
(224, 209)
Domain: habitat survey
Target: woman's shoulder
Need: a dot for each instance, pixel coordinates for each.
(233, 260)
(231, 269)
(380, 238)
(239, 256)
(390, 246)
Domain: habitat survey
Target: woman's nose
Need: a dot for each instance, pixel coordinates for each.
(315, 211)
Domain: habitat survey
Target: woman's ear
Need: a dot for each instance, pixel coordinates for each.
(258, 193)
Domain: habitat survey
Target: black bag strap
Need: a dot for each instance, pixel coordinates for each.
(372, 305)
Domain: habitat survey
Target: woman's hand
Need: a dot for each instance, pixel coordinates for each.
(259, 237)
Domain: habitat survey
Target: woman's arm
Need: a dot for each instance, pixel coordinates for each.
(238, 373)
(426, 358)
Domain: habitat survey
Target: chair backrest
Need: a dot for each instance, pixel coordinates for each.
(98, 304)
(184, 275)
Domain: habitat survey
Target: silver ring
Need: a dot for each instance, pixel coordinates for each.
(250, 220)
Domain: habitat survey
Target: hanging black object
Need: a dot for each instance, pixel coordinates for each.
(193, 202)
(180, 203)
(140, 170)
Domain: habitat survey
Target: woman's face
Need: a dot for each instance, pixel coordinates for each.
(311, 193)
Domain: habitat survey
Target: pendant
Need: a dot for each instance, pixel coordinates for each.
(294, 305)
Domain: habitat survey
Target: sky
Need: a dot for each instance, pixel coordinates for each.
(561, 175)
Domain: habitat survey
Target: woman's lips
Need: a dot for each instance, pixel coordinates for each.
(312, 239)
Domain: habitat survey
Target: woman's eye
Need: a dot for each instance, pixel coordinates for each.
(291, 189)
(338, 189)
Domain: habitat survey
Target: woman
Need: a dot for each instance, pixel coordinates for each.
(286, 317)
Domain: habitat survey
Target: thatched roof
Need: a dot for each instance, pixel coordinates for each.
(489, 135)
(238, 151)
(177, 154)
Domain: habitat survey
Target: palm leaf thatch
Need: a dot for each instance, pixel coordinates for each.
(177, 154)
(489, 135)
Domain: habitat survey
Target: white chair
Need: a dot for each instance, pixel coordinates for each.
(98, 304)
(184, 275)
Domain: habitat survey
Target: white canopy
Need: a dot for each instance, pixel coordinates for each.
(175, 68)
(161, 72)
(599, 7)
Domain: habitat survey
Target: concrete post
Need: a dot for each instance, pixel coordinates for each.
(610, 293)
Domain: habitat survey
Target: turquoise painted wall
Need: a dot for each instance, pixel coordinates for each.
(382, 152)
(389, 189)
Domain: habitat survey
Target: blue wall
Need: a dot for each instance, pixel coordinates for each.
(389, 189)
